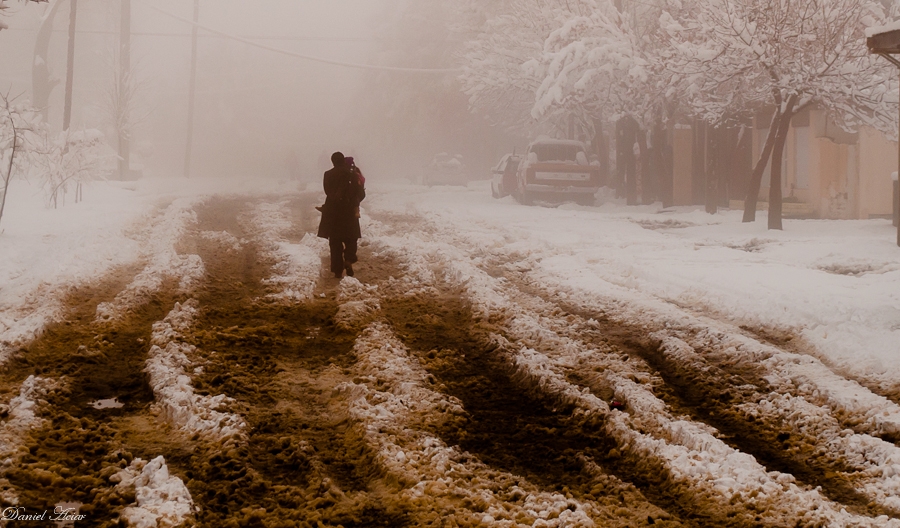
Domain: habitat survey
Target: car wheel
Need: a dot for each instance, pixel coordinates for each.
(526, 198)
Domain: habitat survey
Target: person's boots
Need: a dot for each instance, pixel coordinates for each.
(349, 269)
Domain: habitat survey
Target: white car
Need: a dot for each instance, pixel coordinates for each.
(445, 169)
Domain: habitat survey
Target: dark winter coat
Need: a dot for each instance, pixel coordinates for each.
(342, 196)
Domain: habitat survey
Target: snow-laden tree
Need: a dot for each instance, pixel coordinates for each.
(602, 60)
(501, 67)
(736, 56)
(608, 61)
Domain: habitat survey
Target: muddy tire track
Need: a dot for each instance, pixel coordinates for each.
(71, 458)
(708, 401)
(280, 362)
(712, 393)
(511, 429)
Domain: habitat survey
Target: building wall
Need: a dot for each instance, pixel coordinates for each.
(877, 160)
(833, 173)
(836, 174)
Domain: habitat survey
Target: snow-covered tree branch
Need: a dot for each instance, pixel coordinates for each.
(738, 56)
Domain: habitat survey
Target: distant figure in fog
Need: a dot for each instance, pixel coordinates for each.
(344, 190)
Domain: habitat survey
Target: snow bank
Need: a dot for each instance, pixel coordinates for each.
(297, 266)
(358, 303)
(161, 500)
(45, 252)
(168, 363)
(20, 418)
(165, 263)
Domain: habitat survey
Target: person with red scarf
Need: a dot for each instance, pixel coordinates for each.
(344, 190)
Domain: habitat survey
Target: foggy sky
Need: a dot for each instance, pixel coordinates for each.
(253, 107)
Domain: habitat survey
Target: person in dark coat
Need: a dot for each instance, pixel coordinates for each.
(340, 224)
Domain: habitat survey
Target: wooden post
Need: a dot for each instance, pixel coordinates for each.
(70, 64)
(124, 102)
(191, 93)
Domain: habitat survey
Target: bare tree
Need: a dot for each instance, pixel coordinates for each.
(4, 5)
(70, 157)
(14, 122)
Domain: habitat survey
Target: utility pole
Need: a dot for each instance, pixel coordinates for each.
(125, 83)
(70, 64)
(192, 92)
(41, 82)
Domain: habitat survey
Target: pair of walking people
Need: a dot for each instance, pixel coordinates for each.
(344, 190)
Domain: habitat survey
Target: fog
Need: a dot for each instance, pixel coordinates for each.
(259, 113)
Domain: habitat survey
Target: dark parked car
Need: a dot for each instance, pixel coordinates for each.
(556, 170)
(503, 176)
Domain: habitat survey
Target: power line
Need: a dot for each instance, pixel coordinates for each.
(300, 55)
(250, 37)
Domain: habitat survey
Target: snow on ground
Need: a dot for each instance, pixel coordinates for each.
(297, 266)
(44, 252)
(20, 417)
(832, 288)
(161, 500)
(158, 247)
(691, 452)
(836, 284)
(437, 478)
(168, 364)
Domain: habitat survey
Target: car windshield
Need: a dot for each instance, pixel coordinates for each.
(556, 152)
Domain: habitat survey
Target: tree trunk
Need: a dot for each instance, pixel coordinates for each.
(662, 165)
(756, 176)
(727, 165)
(12, 156)
(698, 162)
(713, 155)
(648, 187)
(777, 156)
(743, 163)
(626, 170)
(630, 167)
(619, 183)
(41, 82)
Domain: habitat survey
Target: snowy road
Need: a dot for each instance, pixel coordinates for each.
(464, 377)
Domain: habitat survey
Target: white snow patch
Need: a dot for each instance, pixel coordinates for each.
(297, 266)
(21, 417)
(161, 500)
(164, 262)
(358, 303)
(167, 364)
